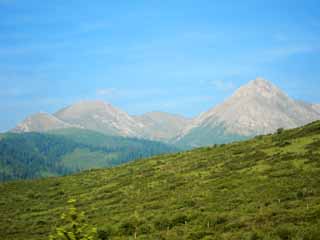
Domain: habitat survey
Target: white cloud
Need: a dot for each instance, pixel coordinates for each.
(107, 92)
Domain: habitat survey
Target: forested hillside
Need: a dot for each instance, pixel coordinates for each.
(34, 155)
(265, 188)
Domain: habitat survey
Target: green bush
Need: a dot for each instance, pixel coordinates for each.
(104, 234)
(179, 219)
(286, 232)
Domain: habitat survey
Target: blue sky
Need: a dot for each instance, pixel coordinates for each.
(176, 56)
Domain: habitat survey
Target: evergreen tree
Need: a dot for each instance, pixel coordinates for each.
(74, 226)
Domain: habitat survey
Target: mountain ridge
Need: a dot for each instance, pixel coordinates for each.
(100, 116)
(258, 107)
(40, 122)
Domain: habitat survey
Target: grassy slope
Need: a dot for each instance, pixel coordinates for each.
(204, 136)
(265, 188)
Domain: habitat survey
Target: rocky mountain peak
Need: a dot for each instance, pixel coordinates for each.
(259, 88)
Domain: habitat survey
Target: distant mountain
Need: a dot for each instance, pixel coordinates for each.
(316, 107)
(65, 151)
(40, 122)
(102, 117)
(256, 108)
(161, 126)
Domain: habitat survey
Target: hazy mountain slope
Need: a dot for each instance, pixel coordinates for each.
(161, 126)
(34, 155)
(256, 108)
(40, 122)
(316, 107)
(265, 188)
(100, 116)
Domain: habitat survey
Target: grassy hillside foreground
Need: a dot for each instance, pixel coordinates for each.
(265, 188)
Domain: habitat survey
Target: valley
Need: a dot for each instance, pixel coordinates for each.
(65, 151)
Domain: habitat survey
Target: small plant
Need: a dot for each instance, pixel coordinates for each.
(74, 226)
(280, 130)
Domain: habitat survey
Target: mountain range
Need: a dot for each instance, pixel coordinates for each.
(259, 107)
(105, 118)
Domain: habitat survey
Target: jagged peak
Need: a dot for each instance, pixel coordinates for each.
(259, 87)
(260, 81)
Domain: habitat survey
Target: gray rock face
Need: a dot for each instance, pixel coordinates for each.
(256, 108)
(161, 126)
(102, 117)
(316, 107)
(40, 122)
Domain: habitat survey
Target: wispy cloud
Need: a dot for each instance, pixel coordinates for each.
(129, 93)
(291, 50)
(178, 104)
(107, 92)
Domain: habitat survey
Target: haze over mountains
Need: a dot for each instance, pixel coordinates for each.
(162, 126)
(258, 107)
